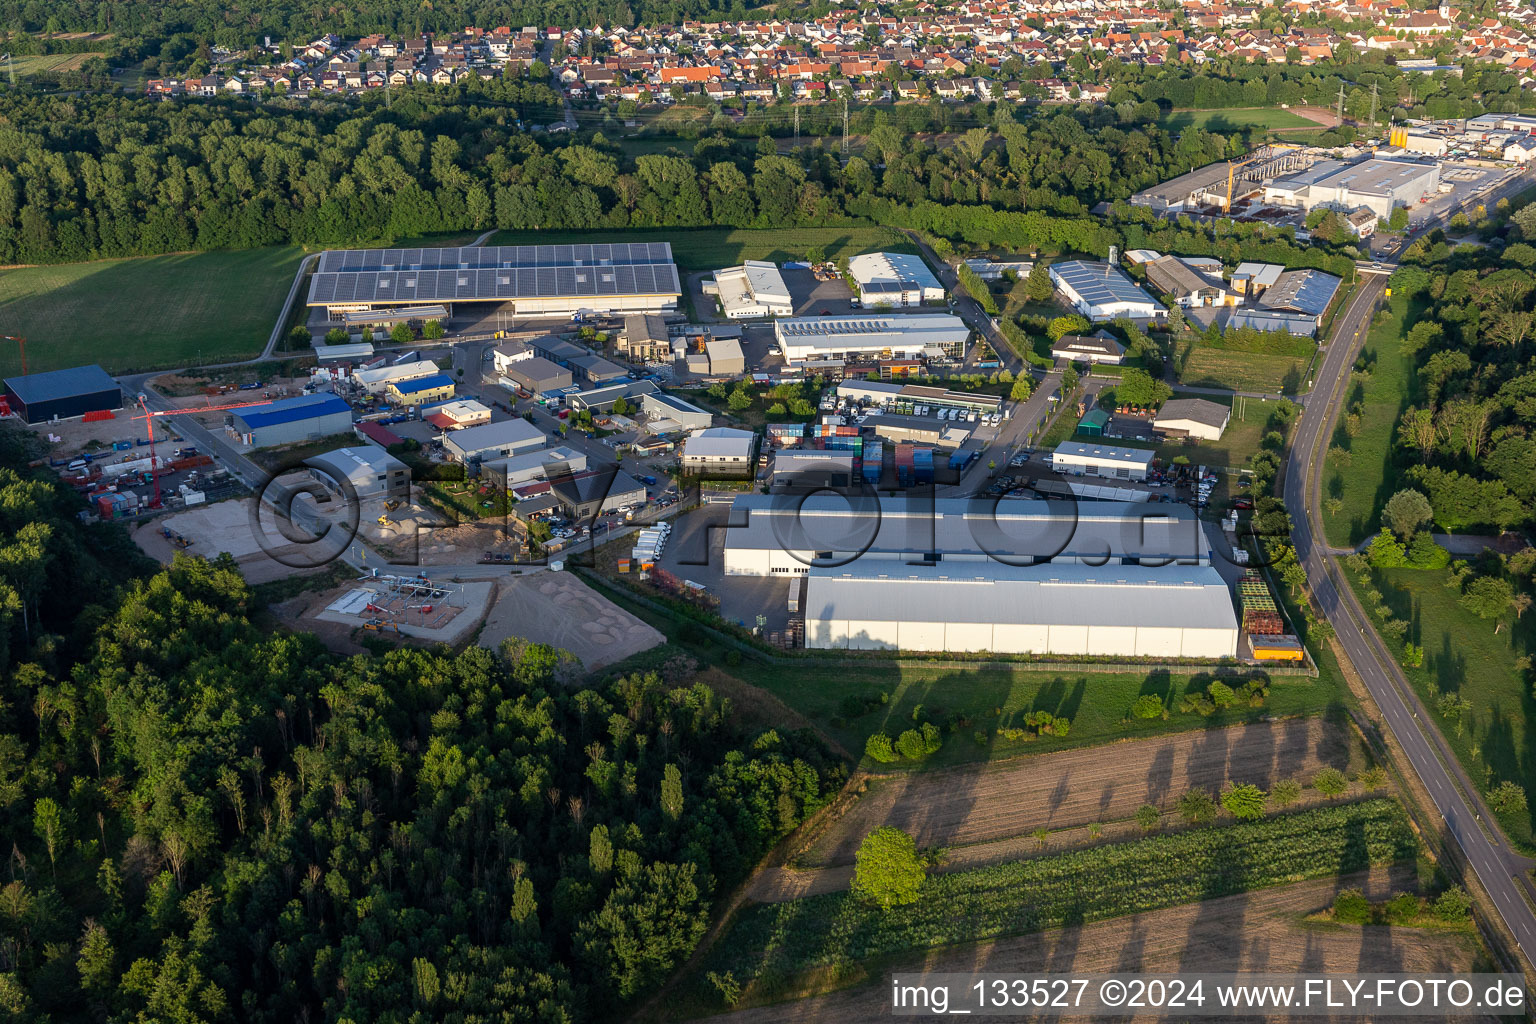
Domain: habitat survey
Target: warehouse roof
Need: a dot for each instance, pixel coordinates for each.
(1003, 529)
(291, 410)
(1301, 291)
(1175, 596)
(56, 384)
(535, 369)
(1088, 345)
(493, 273)
(361, 466)
(494, 435)
(1180, 277)
(719, 443)
(1198, 410)
(895, 267)
(675, 404)
(1106, 453)
(1100, 283)
(400, 371)
(1261, 275)
(432, 383)
(1299, 324)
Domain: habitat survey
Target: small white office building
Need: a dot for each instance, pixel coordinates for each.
(1083, 458)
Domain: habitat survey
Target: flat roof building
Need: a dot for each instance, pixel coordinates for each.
(369, 471)
(1085, 458)
(62, 394)
(1251, 279)
(1299, 324)
(602, 398)
(895, 426)
(1101, 292)
(421, 390)
(493, 441)
(509, 352)
(532, 280)
(725, 357)
(662, 406)
(894, 278)
(769, 536)
(1301, 291)
(1380, 185)
(905, 397)
(537, 375)
(1080, 610)
(376, 380)
(811, 468)
(289, 420)
(346, 353)
(542, 464)
(1190, 191)
(1192, 417)
(751, 291)
(869, 336)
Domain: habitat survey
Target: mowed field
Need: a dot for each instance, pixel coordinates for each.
(1236, 119)
(965, 806)
(145, 314)
(1259, 931)
(41, 64)
(1242, 371)
(712, 248)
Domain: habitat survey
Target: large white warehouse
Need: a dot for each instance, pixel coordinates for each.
(770, 535)
(1101, 292)
(870, 336)
(894, 279)
(1105, 611)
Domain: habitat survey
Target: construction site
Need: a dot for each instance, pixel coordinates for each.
(410, 605)
(1230, 188)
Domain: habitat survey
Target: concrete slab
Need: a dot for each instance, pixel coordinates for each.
(558, 609)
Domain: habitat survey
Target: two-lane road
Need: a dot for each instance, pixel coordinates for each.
(1400, 708)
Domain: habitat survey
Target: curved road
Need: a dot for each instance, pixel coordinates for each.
(1401, 711)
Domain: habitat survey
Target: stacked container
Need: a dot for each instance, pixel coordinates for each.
(922, 462)
(905, 464)
(874, 461)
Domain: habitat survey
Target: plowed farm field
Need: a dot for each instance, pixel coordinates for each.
(964, 806)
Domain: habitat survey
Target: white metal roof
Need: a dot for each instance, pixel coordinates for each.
(1189, 597)
(1105, 453)
(401, 371)
(493, 435)
(896, 267)
(719, 442)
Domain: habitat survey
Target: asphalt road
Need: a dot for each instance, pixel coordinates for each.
(1400, 708)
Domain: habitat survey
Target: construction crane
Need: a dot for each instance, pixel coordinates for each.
(21, 343)
(1232, 168)
(149, 420)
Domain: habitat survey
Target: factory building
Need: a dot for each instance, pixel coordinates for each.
(528, 467)
(663, 408)
(493, 441)
(584, 495)
(1379, 185)
(644, 339)
(289, 420)
(751, 291)
(371, 472)
(1295, 301)
(895, 426)
(1190, 284)
(869, 337)
(719, 450)
(893, 279)
(537, 375)
(421, 391)
(602, 398)
(993, 269)
(377, 380)
(526, 280)
(769, 536)
(1250, 279)
(808, 468)
(1101, 291)
(1198, 188)
(1084, 459)
(1199, 418)
(1115, 611)
(62, 394)
(904, 397)
(725, 357)
(594, 369)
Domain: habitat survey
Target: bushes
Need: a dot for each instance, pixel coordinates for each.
(1149, 706)
(917, 744)
(887, 870)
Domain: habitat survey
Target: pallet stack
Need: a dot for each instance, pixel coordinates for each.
(1260, 615)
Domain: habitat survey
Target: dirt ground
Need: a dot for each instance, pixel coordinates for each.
(1258, 931)
(261, 551)
(558, 609)
(447, 619)
(980, 804)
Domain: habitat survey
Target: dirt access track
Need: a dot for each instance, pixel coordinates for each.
(982, 804)
(1256, 931)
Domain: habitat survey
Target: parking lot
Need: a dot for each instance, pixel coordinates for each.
(695, 552)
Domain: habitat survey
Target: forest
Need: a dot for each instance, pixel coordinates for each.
(89, 177)
(210, 822)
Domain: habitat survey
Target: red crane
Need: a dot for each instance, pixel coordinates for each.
(21, 343)
(149, 420)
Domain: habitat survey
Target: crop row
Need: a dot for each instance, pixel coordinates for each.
(770, 942)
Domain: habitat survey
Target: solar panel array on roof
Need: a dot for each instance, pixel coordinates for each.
(811, 328)
(491, 273)
(1099, 284)
(1301, 291)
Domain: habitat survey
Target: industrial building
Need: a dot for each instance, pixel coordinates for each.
(993, 268)
(543, 464)
(751, 291)
(1250, 279)
(290, 420)
(1102, 347)
(810, 468)
(768, 536)
(457, 415)
(1199, 418)
(584, 495)
(528, 280)
(870, 337)
(1191, 191)
(1273, 320)
(62, 394)
(1125, 611)
(894, 279)
(904, 397)
(1190, 285)
(537, 375)
(377, 323)
(509, 352)
(420, 391)
(594, 369)
(370, 472)
(602, 398)
(1101, 291)
(356, 352)
(493, 441)
(1080, 459)
(377, 379)
(644, 339)
(719, 450)
(895, 426)
(725, 357)
(1294, 301)
(1379, 185)
(557, 350)
(665, 409)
